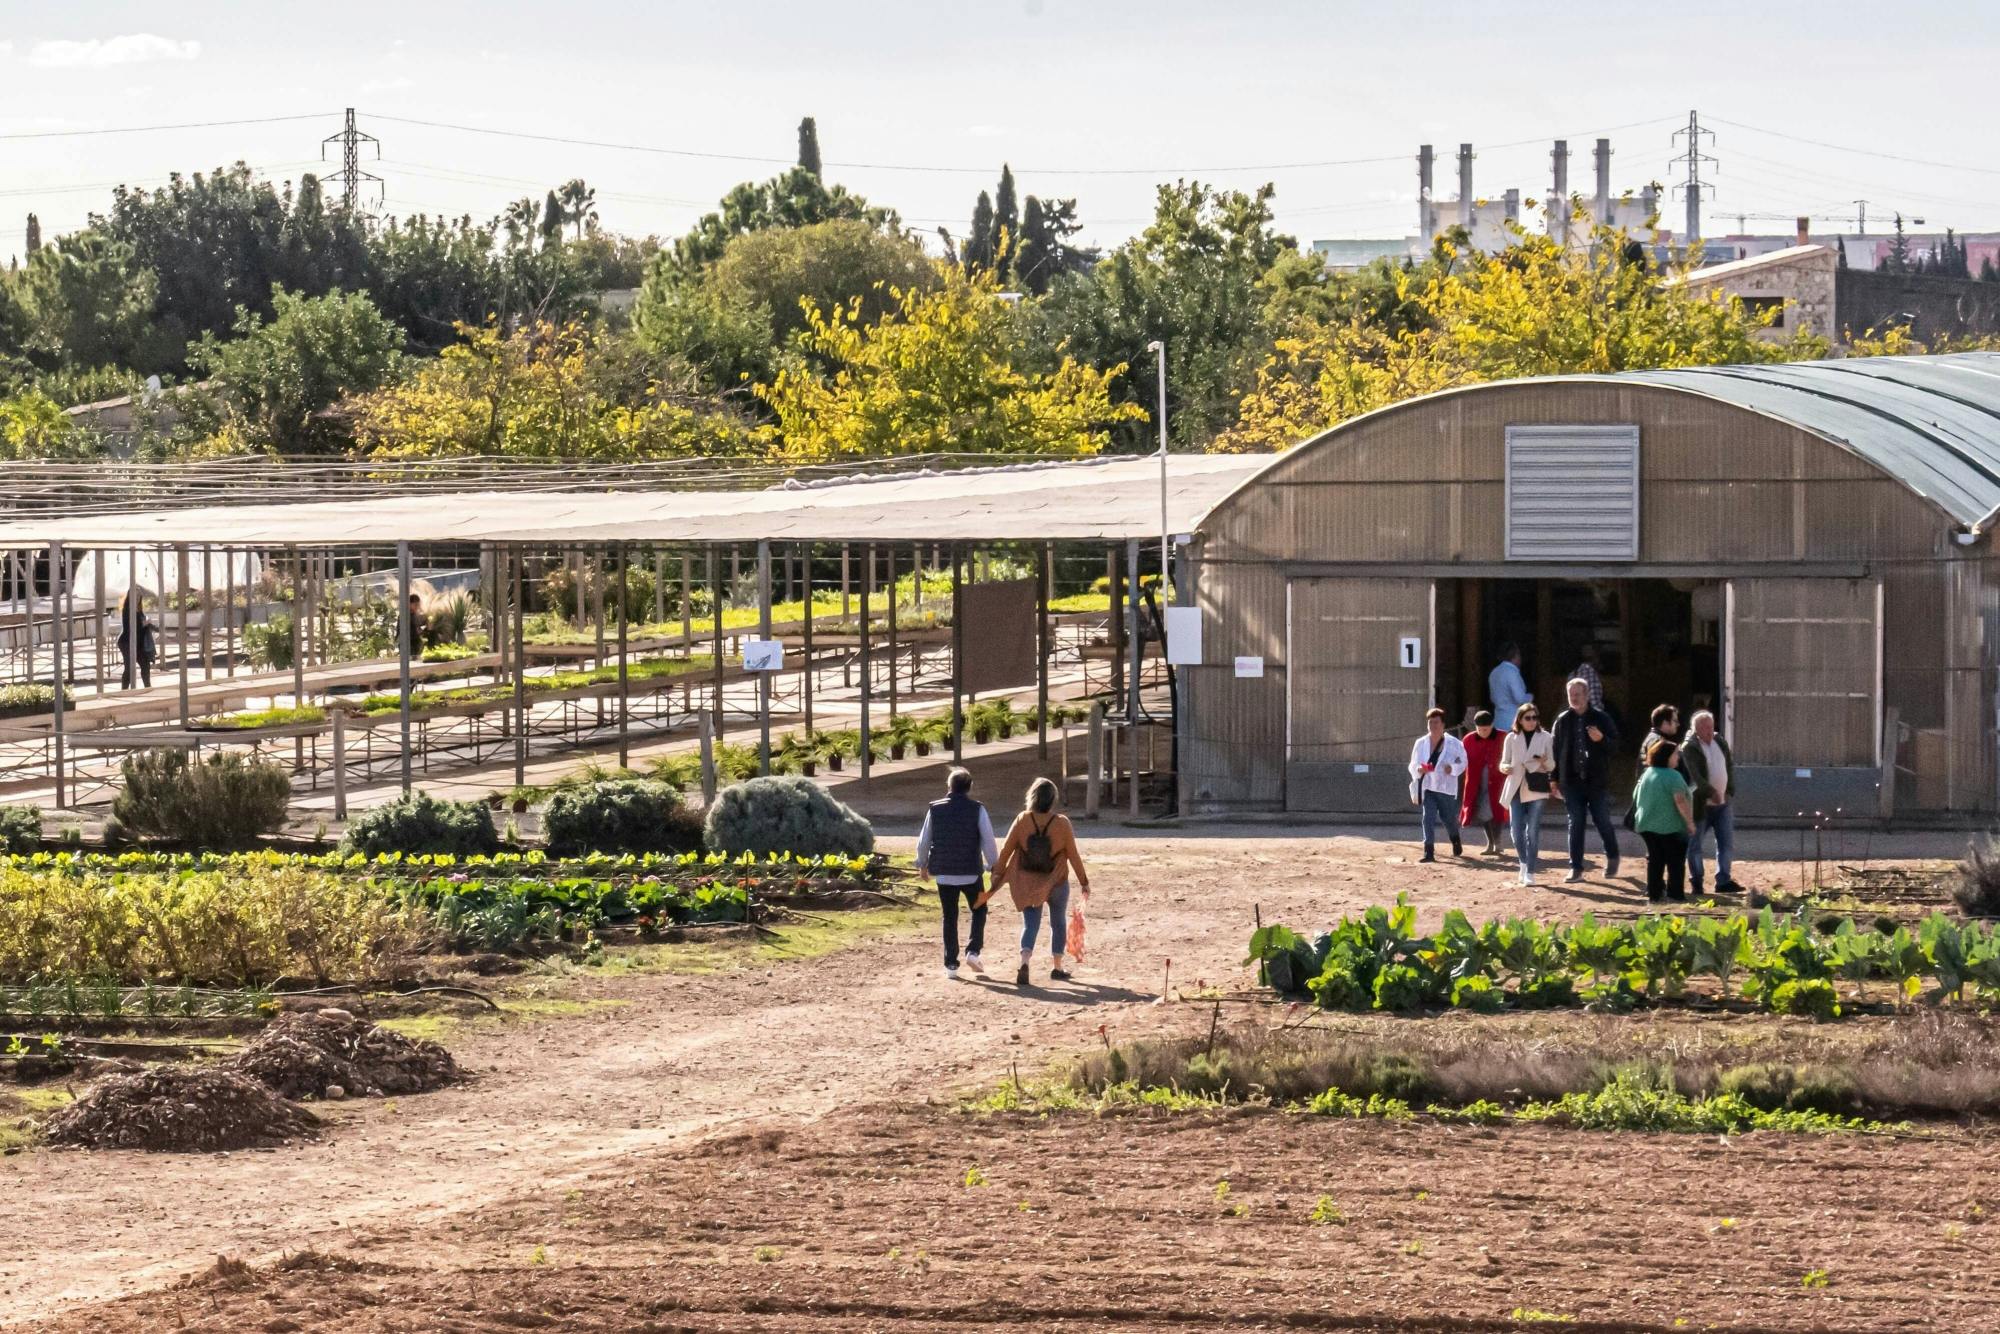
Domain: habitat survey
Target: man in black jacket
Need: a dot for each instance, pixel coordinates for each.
(1585, 739)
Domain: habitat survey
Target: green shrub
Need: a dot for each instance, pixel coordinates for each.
(420, 823)
(223, 801)
(21, 701)
(20, 828)
(1775, 1087)
(1810, 996)
(624, 815)
(269, 642)
(767, 816)
(559, 590)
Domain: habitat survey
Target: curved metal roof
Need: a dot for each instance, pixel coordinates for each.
(1932, 423)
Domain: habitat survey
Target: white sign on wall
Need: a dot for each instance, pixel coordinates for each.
(1184, 636)
(1410, 651)
(763, 655)
(1249, 666)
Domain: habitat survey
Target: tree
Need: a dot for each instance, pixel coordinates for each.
(541, 391)
(1044, 253)
(1194, 278)
(981, 246)
(809, 146)
(1535, 308)
(579, 206)
(1006, 213)
(276, 378)
(89, 303)
(1987, 272)
(34, 426)
(947, 371)
(34, 237)
(1898, 260)
(552, 221)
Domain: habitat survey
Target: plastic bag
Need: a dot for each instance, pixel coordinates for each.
(1074, 944)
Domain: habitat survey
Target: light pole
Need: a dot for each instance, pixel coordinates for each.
(1159, 351)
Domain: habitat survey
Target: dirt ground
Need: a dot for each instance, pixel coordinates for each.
(680, 1123)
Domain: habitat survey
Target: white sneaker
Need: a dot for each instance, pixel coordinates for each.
(951, 972)
(972, 962)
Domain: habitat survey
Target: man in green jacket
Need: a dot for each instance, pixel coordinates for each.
(1711, 774)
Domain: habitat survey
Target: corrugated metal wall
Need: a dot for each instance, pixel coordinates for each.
(1801, 679)
(1722, 489)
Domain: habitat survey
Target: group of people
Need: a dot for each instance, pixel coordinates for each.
(1501, 777)
(957, 850)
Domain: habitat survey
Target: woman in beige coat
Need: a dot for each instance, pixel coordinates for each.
(1035, 864)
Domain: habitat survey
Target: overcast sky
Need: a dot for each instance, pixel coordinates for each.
(1095, 100)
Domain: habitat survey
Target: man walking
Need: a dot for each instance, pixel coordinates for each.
(1508, 687)
(1436, 762)
(1711, 773)
(956, 848)
(1584, 741)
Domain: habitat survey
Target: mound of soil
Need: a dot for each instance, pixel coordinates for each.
(309, 1055)
(179, 1109)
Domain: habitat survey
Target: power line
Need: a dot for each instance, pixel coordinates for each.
(154, 129)
(1864, 152)
(941, 168)
(1693, 159)
(350, 174)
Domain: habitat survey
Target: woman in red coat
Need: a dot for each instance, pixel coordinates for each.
(1481, 804)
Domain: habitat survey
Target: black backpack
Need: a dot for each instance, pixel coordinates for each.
(1038, 854)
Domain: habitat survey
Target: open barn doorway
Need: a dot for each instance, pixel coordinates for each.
(1657, 641)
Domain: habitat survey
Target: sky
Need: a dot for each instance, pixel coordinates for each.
(1812, 105)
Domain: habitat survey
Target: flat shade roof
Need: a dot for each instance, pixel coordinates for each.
(1110, 499)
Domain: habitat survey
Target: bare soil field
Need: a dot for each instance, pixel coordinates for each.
(681, 1122)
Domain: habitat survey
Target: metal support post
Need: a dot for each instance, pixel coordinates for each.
(624, 678)
(407, 625)
(867, 663)
(957, 655)
(56, 647)
(764, 678)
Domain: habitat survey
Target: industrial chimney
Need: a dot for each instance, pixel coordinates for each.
(1603, 182)
(1559, 192)
(1426, 206)
(1805, 231)
(1465, 186)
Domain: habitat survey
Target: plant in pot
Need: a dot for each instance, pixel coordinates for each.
(930, 734)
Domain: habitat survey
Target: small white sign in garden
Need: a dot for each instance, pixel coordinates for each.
(763, 655)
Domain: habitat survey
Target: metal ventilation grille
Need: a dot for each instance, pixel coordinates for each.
(1572, 493)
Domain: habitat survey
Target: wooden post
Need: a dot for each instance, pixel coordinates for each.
(181, 623)
(516, 561)
(715, 575)
(1093, 779)
(892, 635)
(56, 710)
(1042, 654)
(806, 662)
(298, 651)
(687, 604)
(207, 613)
(407, 629)
(764, 678)
(846, 606)
(1116, 581)
(229, 620)
(867, 663)
(1132, 711)
(957, 655)
(624, 677)
(339, 764)
(100, 594)
(706, 726)
(659, 586)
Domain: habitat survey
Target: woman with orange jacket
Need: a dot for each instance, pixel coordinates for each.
(1035, 864)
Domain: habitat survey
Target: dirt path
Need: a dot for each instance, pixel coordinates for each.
(679, 1057)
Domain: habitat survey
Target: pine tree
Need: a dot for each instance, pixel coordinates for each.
(1899, 251)
(1987, 272)
(1006, 214)
(34, 233)
(809, 146)
(977, 252)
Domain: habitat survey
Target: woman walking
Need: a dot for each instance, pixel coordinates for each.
(136, 642)
(1035, 862)
(1664, 817)
(1528, 759)
(1481, 804)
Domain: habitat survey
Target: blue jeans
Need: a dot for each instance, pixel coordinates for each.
(1588, 808)
(1031, 923)
(1722, 819)
(1439, 807)
(1525, 818)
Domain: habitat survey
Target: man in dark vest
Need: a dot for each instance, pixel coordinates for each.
(956, 848)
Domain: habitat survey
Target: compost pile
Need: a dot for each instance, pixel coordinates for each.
(177, 1109)
(330, 1053)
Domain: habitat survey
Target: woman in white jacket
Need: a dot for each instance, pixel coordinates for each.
(1529, 761)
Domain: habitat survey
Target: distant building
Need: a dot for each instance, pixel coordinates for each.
(1811, 291)
(1346, 255)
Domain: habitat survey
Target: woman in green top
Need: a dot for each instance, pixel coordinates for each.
(1664, 817)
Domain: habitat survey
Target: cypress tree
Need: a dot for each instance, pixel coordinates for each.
(552, 220)
(34, 233)
(1899, 250)
(1006, 213)
(1987, 273)
(1031, 253)
(978, 248)
(809, 145)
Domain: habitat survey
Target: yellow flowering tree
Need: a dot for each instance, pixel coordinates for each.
(540, 392)
(946, 370)
(1535, 308)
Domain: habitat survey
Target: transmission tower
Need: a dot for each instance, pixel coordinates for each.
(1693, 159)
(350, 174)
